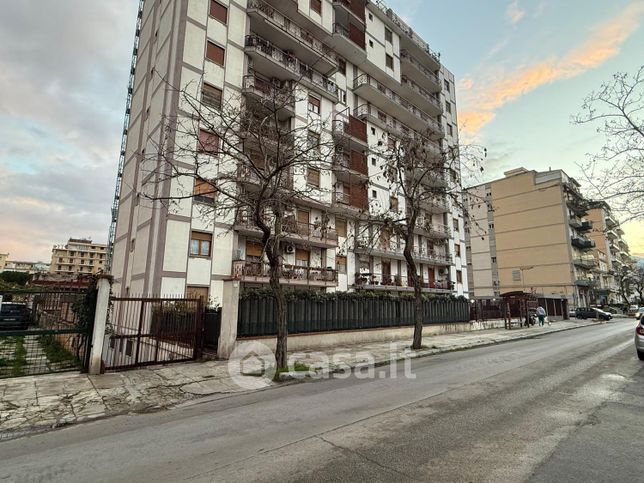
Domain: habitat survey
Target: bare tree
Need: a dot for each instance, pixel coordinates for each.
(246, 161)
(616, 173)
(638, 283)
(427, 178)
(624, 278)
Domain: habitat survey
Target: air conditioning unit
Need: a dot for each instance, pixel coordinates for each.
(289, 249)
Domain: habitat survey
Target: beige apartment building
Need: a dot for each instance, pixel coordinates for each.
(530, 231)
(3, 261)
(361, 74)
(78, 256)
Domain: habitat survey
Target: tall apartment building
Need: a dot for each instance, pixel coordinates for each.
(531, 233)
(360, 67)
(612, 247)
(25, 267)
(3, 260)
(78, 256)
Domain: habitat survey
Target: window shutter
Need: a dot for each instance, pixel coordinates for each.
(302, 255)
(253, 249)
(341, 227)
(208, 142)
(218, 11)
(215, 53)
(303, 216)
(211, 96)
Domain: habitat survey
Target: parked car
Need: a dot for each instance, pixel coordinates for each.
(639, 340)
(592, 313)
(638, 314)
(14, 316)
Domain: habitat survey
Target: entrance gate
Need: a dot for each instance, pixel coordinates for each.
(143, 331)
(45, 332)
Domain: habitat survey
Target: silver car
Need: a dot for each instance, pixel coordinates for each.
(639, 339)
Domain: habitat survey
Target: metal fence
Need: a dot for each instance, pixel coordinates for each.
(44, 332)
(257, 314)
(143, 331)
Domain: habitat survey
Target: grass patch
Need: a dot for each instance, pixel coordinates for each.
(297, 367)
(55, 351)
(19, 357)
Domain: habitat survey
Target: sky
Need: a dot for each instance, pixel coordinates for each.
(522, 69)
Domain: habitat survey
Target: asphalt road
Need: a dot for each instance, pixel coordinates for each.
(561, 407)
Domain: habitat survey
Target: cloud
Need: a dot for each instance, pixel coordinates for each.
(514, 13)
(60, 119)
(482, 99)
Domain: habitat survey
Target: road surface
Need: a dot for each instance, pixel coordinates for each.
(566, 406)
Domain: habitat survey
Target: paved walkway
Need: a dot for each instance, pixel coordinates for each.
(36, 403)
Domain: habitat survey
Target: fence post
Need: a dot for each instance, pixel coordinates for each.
(103, 285)
(229, 316)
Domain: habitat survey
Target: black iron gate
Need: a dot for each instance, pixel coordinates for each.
(144, 331)
(45, 332)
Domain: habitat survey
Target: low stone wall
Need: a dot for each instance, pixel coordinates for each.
(323, 340)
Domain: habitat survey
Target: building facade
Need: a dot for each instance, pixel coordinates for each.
(25, 267)
(3, 261)
(356, 65)
(79, 256)
(530, 231)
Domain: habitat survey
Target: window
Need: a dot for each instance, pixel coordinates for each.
(389, 61)
(215, 53)
(341, 227)
(254, 251)
(374, 194)
(316, 6)
(341, 264)
(373, 161)
(200, 244)
(302, 257)
(388, 35)
(455, 222)
(211, 96)
(459, 276)
(382, 116)
(303, 217)
(448, 106)
(218, 11)
(208, 142)
(446, 84)
(373, 131)
(203, 191)
(313, 177)
(493, 259)
(342, 66)
(313, 140)
(371, 43)
(516, 275)
(457, 249)
(314, 105)
(450, 130)
(393, 204)
(371, 16)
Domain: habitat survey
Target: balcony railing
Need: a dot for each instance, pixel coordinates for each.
(410, 84)
(356, 8)
(584, 282)
(366, 79)
(586, 262)
(259, 272)
(405, 55)
(354, 34)
(287, 25)
(425, 256)
(398, 282)
(309, 231)
(582, 242)
(291, 63)
(357, 199)
(246, 174)
(407, 30)
(267, 90)
(350, 126)
(434, 229)
(354, 161)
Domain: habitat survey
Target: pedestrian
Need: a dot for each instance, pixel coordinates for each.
(541, 314)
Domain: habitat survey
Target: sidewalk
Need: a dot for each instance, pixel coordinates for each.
(37, 403)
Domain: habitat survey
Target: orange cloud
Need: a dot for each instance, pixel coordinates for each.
(480, 101)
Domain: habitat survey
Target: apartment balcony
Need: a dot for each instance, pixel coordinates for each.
(349, 42)
(612, 234)
(274, 62)
(351, 8)
(435, 178)
(584, 282)
(356, 200)
(413, 69)
(388, 101)
(400, 283)
(432, 230)
(350, 166)
(622, 244)
(253, 179)
(305, 45)
(349, 129)
(611, 222)
(437, 205)
(421, 97)
(292, 231)
(433, 258)
(587, 263)
(279, 99)
(582, 243)
(408, 38)
(380, 248)
(258, 272)
(575, 222)
(577, 205)
(586, 225)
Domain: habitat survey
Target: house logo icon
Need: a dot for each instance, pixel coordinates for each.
(252, 365)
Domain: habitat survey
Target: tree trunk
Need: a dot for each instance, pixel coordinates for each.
(275, 272)
(412, 273)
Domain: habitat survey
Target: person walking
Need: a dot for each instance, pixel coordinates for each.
(541, 314)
